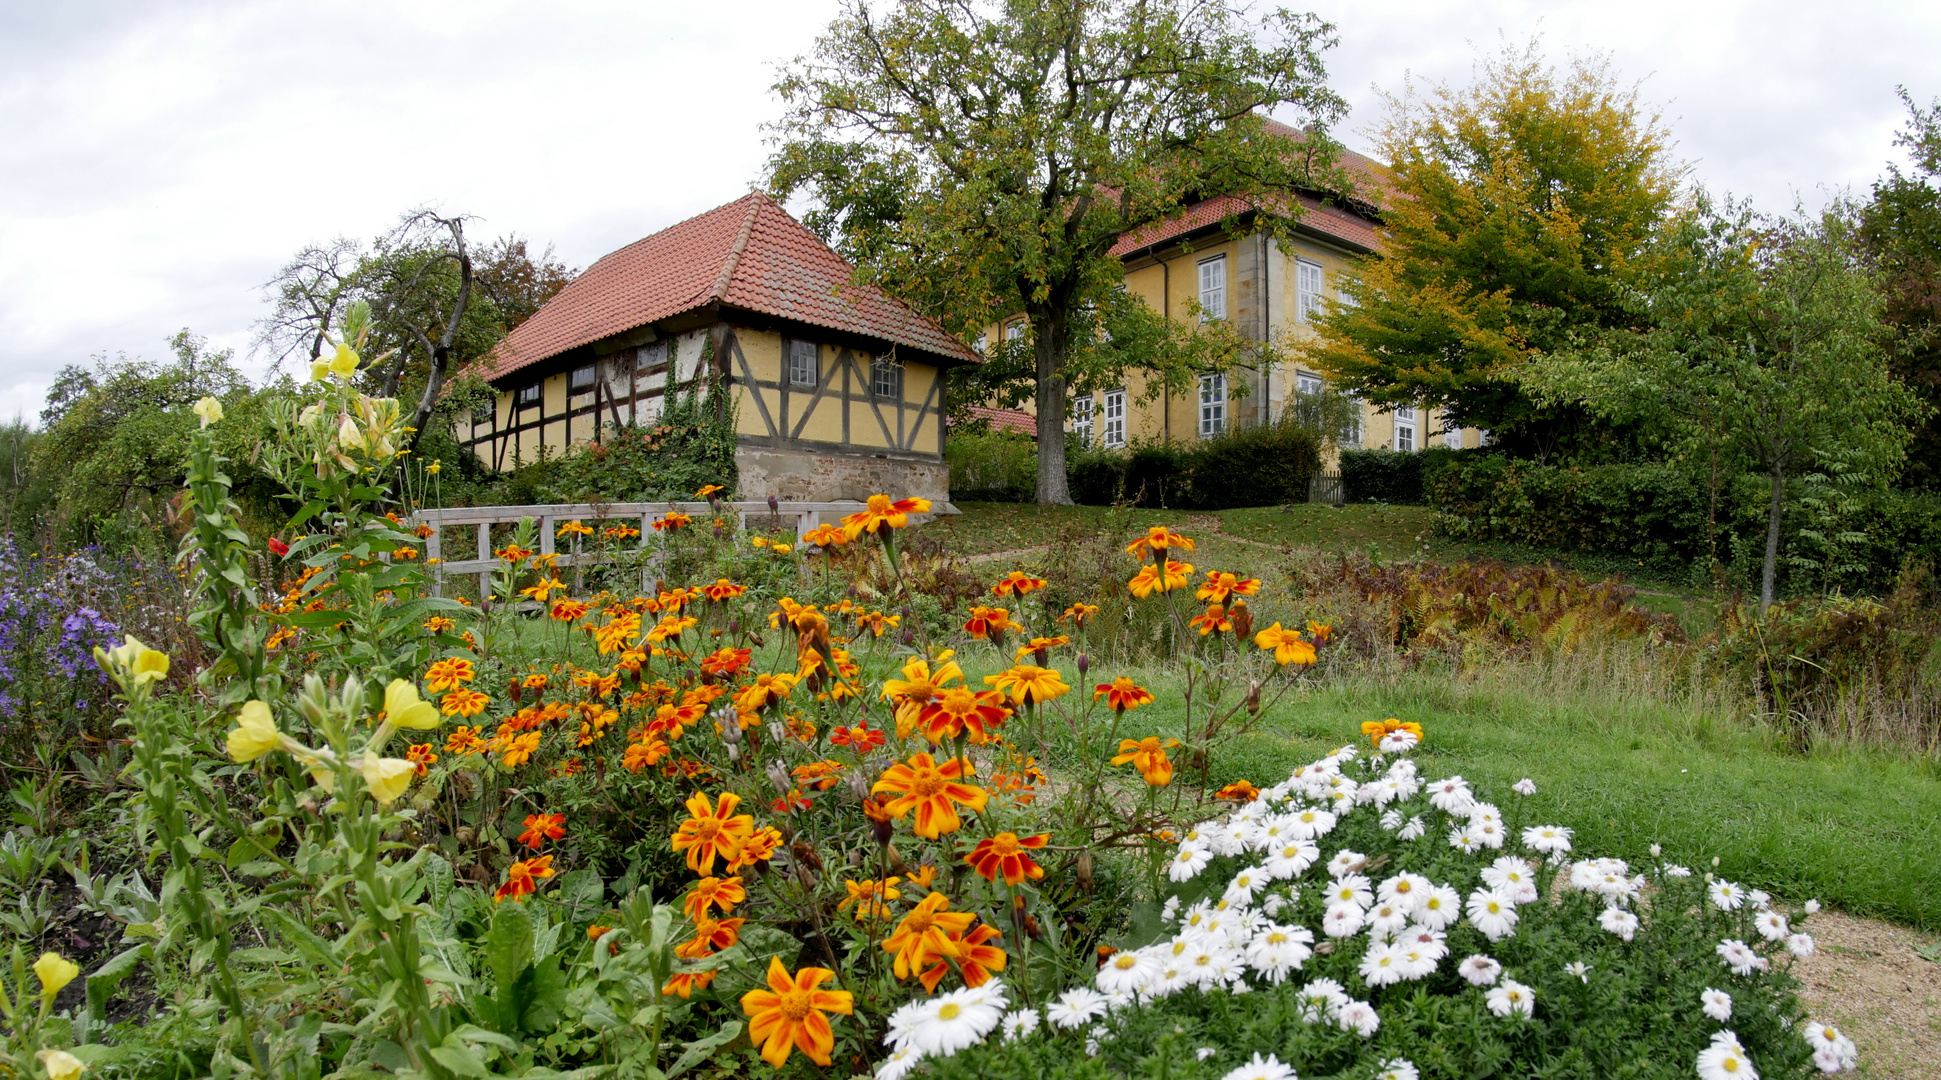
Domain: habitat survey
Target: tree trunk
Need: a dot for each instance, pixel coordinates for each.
(1048, 343)
(441, 352)
(1767, 572)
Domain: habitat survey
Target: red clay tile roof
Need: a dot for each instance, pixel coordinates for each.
(1006, 419)
(1371, 185)
(749, 254)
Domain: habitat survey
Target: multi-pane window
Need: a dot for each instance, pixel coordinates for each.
(1308, 283)
(1082, 419)
(1307, 384)
(1213, 289)
(648, 356)
(1014, 331)
(1351, 430)
(1213, 404)
(1115, 419)
(482, 414)
(530, 395)
(582, 380)
(1451, 436)
(1405, 428)
(805, 363)
(886, 379)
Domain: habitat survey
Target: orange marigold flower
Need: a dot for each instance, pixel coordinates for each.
(674, 520)
(405, 553)
(568, 610)
(710, 935)
(686, 983)
(789, 1015)
(880, 513)
(1376, 730)
(448, 673)
(989, 623)
(619, 532)
(513, 553)
(931, 790)
(977, 960)
(541, 828)
(1017, 583)
(1122, 694)
(463, 740)
(825, 537)
(522, 877)
(925, 935)
(713, 894)
(707, 490)
(596, 932)
(1211, 621)
(789, 803)
(818, 775)
(961, 709)
(463, 702)
(923, 876)
(871, 897)
(1079, 614)
(1153, 578)
(645, 753)
(758, 848)
(878, 623)
(1028, 684)
(726, 661)
(1321, 631)
(544, 590)
(766, 690)
(1288, 645)
(1158, 539)
(1040, 646)
(723, 590)
(618, 633)
(712, 829)
(421, 755)
(438, 624)
(862, 738)
(535, 681)
(1239, 791)
(671, 627)
(1005, 853)
(519, 750)
(574, 528)
(675, 599)
(1220, 585)
(1148, 755)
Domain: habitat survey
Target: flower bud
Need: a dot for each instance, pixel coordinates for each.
(909, 637)
(1084, 870)
(1241, 618)
(778, 773)
(1253, 698)
(734, 753)
(734, 626)
(516, 689)
(774, 504)
(1084, 663)
(858, 785)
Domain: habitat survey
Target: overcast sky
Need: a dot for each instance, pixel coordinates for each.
(160, 159)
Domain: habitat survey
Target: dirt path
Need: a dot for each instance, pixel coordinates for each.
(1868, 979)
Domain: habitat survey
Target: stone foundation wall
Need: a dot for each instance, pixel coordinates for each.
(828, 476)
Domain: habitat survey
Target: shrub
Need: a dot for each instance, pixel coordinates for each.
(1392, 476)
(1097, 475)
(1265, 465)
(990, 465)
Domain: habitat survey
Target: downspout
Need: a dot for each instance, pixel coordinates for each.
(1166, 313)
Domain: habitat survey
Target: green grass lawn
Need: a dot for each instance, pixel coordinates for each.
(1858, 830)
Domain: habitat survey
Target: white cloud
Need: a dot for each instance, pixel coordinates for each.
(158, 161)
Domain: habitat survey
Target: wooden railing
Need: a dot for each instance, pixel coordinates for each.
(805, 516)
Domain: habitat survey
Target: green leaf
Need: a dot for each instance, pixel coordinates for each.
(699, 1049)
(459, 1059)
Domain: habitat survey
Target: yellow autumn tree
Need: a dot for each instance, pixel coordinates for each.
(1520, 207)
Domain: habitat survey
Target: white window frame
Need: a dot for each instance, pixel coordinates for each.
(1307, 384)
(1310, 283)
(1014, 330)
(1451, 436)
(885, 379)
(1353, 436)
(1114, 432)
(1082, 420)
(805, 363)
(1405, 428)
(1213, 404)
(528, 396)
(1213, 289)
(583, 379)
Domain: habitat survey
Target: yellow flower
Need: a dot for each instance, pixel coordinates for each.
(432, 469)
(349, 435)
(255, 733)
(405, 709)
(208, 410)
(344, 364)
(1288, 645)
(61, 1065)
(55, 972)
(318, 371)
(386, 777)
(1029, 684)
(143, 664)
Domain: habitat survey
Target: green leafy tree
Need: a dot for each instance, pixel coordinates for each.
(981, 159)
(1523, 205)
(1900, 230)
(1758, 343)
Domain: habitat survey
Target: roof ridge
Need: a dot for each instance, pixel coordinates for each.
(720, 290)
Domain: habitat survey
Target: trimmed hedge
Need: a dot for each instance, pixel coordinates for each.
(1253, 466)
(1391, 476)
(988, 465)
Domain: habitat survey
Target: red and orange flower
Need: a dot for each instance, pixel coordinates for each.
(523, 877)
(541, 828)
(711, 830)
(789, 1015)
(1122, 694)
(933, 791)
(1017, 583)
(881, 514)
(1008, 854)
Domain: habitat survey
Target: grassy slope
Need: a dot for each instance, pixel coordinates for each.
(1857, 830)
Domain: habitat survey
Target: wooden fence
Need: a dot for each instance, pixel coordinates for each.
(805, 516)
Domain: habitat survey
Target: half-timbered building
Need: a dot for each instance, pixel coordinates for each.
(837, 388)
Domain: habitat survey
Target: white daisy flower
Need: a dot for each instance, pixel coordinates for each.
(1406, 890)
(1321, 1000)
(1674, 870)
(1019, 1024)
(1207, 965)
(1170, 980)
(1381, 965)
(1725, 1059)
(1258, 1069)
(1311, 824)
(1346, 862)
(961, 1018)
(1525, 786)
(898, 1064)
(1579, 969)
(1351, 889)
(1391, 820)
(1292, 859)
(1130, 970)
(1204, 1052)
(1417, 961)
(1398, 1069)
(1399, 741)
(1800, 945)
(1433, 943)
(1726, 896)
(1386, 918)
(1512, 997)
(1761, 899)
(1171, 910)
(1241, 890)
(1546, 838)
(1358, 1017)
(1480, 970)
(1812, 907)
(1188, 863)
(1772, 926)
(1094, 1036)
(1827, 1038)
(1463, 840)
(1827, 1060)
(1075, 1007)
(1492, 913)
(906, 1020)
(1440, 909)
(1413, 830)
(1276, 950)
(1342, 920)
(1619, 921)
(1738, 956)
(1512, 877)
(1716, 1004)
(1272, 903)
(1451, 796)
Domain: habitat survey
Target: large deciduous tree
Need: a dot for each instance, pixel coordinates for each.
(981, 158)
(1900, 230)
(1755, 343)
(1521, 207)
